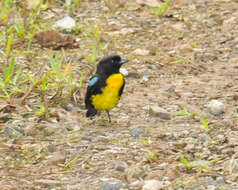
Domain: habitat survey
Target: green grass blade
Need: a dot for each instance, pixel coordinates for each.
(9, 43)
(16, 77)
(10, 70)
(161, 10)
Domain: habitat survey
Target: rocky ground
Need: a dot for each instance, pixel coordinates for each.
(176, 124)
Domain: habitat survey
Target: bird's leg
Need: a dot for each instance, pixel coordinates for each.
(109, 117)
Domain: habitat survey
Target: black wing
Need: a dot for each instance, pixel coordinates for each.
(94, 87)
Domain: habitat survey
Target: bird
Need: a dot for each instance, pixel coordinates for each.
(105, 86)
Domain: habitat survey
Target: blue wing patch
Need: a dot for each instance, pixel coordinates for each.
(93, 81)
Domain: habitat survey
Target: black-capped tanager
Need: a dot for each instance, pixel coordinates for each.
(106, 86)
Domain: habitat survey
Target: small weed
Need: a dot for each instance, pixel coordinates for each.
(152, 156)
(186, 113)
(9, 81)
(182, 60)
(193, 44)
(200, 166)
(96, 46)
(146, 141)
(160, 11)
(205, 124)
(188, 165)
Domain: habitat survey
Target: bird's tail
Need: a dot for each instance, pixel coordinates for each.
(91, 112)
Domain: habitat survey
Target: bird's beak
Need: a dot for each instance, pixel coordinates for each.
(123, 61)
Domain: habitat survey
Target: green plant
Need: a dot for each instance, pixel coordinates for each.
(182, 60)
(193, 44)
(200, 166)
(151, 156)
(186, 113)
(9, 43)
(188, 165)
(8, 80)
(96, 46)
(205, 124)
(160, 11)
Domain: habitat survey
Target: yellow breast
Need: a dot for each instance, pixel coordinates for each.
(110, 93)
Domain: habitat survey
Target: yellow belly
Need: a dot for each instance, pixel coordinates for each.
(110, 94)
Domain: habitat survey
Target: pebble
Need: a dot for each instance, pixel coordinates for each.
(121, 166)
(56, 158)
(220, 180)
(187, 94)
(173, 108)
(138, 132)
(69, 107)
(48, 182)
(211, 187)
(134, 173)
(163, 166)
(124, 71)
(171, 89)
(65, 23)
(160, 112)
(215, 107)
(110, 184)
(141, 52)
(190, 147)
(195, 134)
(135, 185)
(13, 132)
(221, 138)
(152, 185)
(144, 79)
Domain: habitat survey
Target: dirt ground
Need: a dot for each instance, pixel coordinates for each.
(179, 62)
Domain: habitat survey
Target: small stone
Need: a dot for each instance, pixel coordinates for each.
(121, 166)
(110, 184)
(69, 107)
(48, 182)
(144, 79)
(221, 138)
(216, 107)
(173, 108)
(136, 185)
(195, 134)
(211, 187)
(159, 112)
(51, 148)
(187, 94)
(13, 131)
(124, 71)
(134, 173)
(56, 158)
(163, 166)
(142, 52)
(220, 180)
(65, 23)
(152, 185)
(171, 89)
(138, 132)
(146, 73)
(190, 147)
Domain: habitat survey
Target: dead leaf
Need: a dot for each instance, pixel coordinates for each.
(152, 3)
(53, 39)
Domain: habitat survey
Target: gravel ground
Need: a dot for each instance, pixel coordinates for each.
(176, 124)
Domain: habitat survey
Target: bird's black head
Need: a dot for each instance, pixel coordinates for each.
(110, 64)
